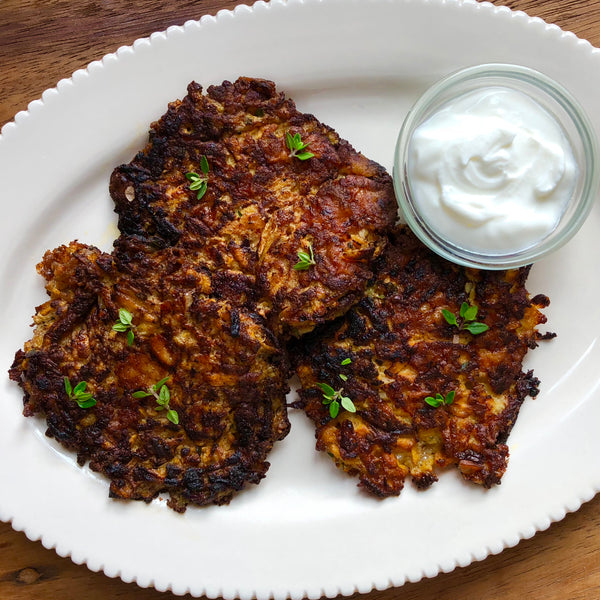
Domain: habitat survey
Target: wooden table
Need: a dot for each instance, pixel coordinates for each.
(42, 41)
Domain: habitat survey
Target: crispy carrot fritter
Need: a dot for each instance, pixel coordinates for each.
(262, 205)
(227, 378)
(402, 350)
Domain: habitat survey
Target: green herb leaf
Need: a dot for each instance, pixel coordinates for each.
(433, 401)
(470, 313)
(476, 328)
(87, 403)
(450, 317)
(201, 186)
(465, 321)
(125, 316)
(162, 395)
(334, 399)
(346, 361)
(199, 183)
(204, 164)
(343, 377)
(347, 404)
(173, 416)
(125, 325)
(334, 409)
(439, 400)
(327, 389)
(79, 388)
(305, 260)
(296, 146)
(160, 383)
(78, 394)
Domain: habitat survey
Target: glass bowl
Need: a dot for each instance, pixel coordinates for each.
(560, 105)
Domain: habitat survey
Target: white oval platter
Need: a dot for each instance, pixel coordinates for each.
(306, 530)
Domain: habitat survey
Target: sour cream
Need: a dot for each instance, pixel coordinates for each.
(492, 171)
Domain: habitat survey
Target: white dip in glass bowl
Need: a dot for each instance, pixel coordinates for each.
(496, 166)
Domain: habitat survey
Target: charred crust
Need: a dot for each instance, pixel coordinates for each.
(227, 376)
(261, 205)
(402, 350)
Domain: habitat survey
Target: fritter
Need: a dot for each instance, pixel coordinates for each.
(190, 402)
(396, 348)
(261, 204)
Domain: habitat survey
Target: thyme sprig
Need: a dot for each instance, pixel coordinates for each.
(198, 182)
(78, 394)
(465, 319)
(439, 400)
(162, 395)
(335, 399)
(297, 146)
(305, 259)
(125, 324)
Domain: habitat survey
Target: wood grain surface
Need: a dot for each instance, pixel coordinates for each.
(43, 41)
